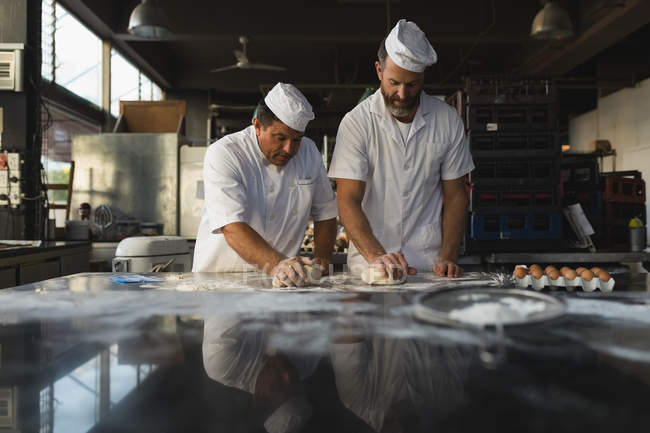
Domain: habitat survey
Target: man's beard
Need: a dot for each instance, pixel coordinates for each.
(396, 111)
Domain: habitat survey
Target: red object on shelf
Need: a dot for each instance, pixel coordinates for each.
(620, 189)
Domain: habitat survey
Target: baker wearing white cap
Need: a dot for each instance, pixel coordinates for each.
(262, 184)
(399, 154)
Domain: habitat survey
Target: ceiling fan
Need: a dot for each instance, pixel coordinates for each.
(244, 63)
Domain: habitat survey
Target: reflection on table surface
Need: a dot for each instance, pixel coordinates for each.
(107, 359)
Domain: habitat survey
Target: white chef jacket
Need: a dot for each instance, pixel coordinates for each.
(234, 356)
(241, 185)
(375, 373)
(403, 196)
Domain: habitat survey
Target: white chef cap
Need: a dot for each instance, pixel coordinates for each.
(290, 106)
(409, 48)
(290, 417)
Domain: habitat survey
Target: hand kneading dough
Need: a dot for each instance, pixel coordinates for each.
(314, 274)
(376, 276)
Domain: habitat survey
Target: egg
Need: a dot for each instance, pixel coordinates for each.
(553, 274)
(587, 275)
(570, 274)
(536, 273)
(604, 276)
(580, 269)
(549, 268)
(520, 272)
(565, 269)
(596, 270)
(535, 266)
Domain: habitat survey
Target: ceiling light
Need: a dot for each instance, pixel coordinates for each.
(149, 21)
(552, 22)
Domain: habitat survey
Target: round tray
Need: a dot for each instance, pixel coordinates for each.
(462, 307)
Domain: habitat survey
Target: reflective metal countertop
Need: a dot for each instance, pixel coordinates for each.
(207, 352)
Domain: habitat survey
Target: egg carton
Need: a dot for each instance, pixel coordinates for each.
(564, 283)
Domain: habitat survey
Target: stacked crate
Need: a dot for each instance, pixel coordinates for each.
(515, 193)
(582, 185)
(623, 199)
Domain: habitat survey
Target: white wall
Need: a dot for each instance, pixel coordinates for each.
(623, 118)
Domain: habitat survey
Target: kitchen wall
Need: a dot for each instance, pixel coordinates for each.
(623, 118)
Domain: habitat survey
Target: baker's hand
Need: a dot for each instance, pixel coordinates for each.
(393, 262)
(323, 263)
(289, 272)
(447, 268)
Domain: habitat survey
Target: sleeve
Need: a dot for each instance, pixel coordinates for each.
(323, 205)
(225, 195)
(458, 159)
(350, 158)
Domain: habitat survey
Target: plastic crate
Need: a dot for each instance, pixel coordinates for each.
(516, 171)
(516, 226)
(620, 214)
(580, 174)
(620, 189)
(494, 118)
(510, 90)
(513, 144)
(614, 238)
(489, 198)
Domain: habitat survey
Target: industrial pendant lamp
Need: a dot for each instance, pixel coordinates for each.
(149, 21)
(552, 22)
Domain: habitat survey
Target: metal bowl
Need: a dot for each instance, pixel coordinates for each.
(447, 307)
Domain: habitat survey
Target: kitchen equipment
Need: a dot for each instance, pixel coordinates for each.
(153, 254)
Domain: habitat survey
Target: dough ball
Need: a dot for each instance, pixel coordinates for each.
(376, 276)
(313, 273)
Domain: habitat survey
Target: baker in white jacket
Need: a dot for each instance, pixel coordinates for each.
(262, 184)
(399, 155)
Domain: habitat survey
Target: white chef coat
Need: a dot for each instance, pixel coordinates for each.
(241, 185)
(403, 196)
(234, 356)
(379, 371)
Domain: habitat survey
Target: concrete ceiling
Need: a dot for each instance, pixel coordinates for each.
(333, 43)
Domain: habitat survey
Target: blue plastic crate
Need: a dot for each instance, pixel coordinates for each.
(519, 226)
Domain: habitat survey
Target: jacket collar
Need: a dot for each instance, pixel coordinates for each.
(378, 107)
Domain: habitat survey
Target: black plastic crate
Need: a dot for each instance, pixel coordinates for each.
(513, 144)
(515, 197)
(511, 117)
(616, 214)
(520, 171)
(580, 173)
(510, 90)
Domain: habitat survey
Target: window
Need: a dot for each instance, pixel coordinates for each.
(63, 38)
(129, 84)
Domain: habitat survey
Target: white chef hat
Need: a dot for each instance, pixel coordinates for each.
(409, 48)
(290, 417)
(290, 106)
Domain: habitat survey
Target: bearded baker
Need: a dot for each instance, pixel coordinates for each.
(262, 184)
(400, 154)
